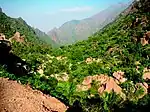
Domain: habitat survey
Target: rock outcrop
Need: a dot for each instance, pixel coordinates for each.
(17, 37)
(146, 38)
(146, 75)
(119, 76)
(110, 84)
(61, 77)
(18, 98)
(106, 84)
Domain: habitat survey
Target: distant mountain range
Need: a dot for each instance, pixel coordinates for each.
(75, 30)
(43, 36)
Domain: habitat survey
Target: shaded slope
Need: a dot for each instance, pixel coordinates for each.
(43, 36)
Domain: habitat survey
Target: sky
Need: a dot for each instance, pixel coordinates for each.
(47, 14)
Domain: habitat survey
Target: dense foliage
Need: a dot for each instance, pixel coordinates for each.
(125, 52)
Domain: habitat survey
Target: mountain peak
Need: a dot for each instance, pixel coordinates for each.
(77, 30)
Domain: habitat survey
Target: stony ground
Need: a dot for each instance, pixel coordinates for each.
(15, 97)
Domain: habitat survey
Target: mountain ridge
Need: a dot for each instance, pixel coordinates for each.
(109, 72)
(43, 36)
(72, 31)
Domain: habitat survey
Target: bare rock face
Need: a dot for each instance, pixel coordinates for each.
(87, 80)
(146, 39)
(146, 75)
(106, 84)
(89, 60)
(18, 98)
(17, 38)
(119, 75)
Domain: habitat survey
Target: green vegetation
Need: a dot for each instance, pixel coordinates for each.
(43, 36)
(116, 49)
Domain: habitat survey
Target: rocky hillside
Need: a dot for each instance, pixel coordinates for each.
(75, 30)
(9, 26)
(15, 97)
(109, 72)
(25, 42)
(114, 59)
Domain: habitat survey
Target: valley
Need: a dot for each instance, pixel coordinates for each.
(108, 71)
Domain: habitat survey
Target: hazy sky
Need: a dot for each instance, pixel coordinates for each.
(47, 14)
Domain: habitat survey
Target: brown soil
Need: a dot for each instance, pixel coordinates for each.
(15, 97)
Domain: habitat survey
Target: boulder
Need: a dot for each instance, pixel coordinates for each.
(87, 80)
(17, 37)
(89, 60)
(105, 83)
(119, 75)
(146, 75)
(146, 38)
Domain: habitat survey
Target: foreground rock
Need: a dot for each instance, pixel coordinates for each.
(17, 98)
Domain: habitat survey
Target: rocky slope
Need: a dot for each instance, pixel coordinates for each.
(9, 26)
(109, 72)
(75, 30)
(15, 97)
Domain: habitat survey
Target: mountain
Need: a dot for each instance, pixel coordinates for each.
(75, 30)
(9, 26)
(108, 72)
(43, 36)
(31, 46)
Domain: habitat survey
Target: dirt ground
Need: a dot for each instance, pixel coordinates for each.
(15, 97)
